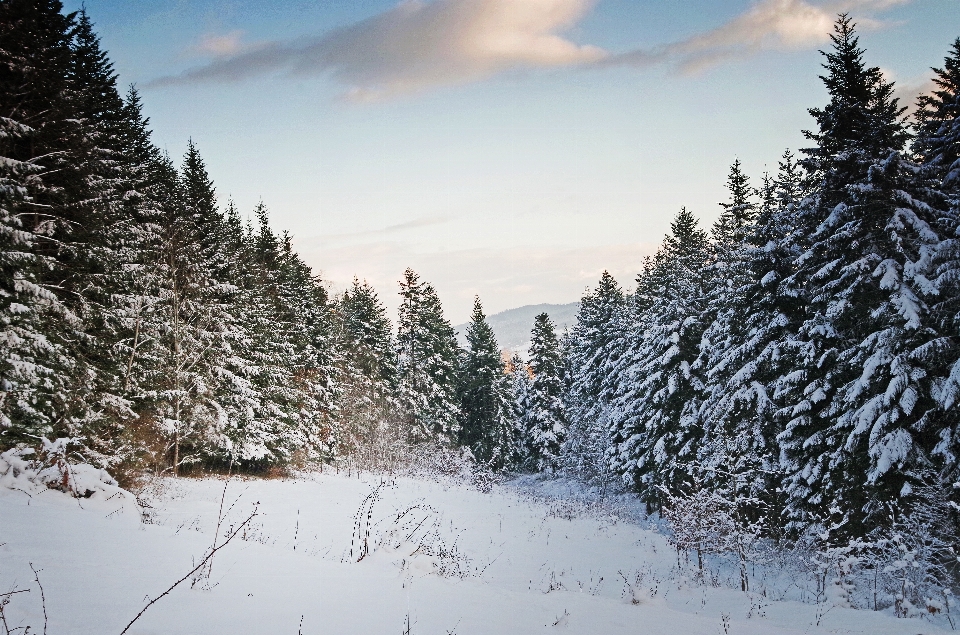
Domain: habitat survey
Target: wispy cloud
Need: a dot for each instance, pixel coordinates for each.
(220, 45)
(417, 223)
(421, 44)
(767, 25)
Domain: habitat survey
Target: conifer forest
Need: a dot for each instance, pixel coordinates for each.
(791, 372)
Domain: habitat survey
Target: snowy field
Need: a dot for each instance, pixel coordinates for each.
(443, 557)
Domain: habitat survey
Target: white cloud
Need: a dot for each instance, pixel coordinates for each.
(420, 44)
(767, 25)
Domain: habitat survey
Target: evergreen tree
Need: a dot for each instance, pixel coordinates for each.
(744, 352)
(938, 124)
(522, 383)
(367, 377)
(937, 147)
(367, 334)
(591, 355)
(427, 362)
(858, 402)
(35, 358)
(544, 420)
(487, 423)
(655, 430)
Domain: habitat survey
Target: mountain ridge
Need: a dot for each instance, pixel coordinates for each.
(512, 327)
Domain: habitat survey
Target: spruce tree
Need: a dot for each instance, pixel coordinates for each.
(367, 334)
(656, 427)
(858, 400)
(427, 363)
(744, 352)
(544, 419)
(937, 147)
(591, 353)
(487, 423)
(367, 373)
(35, 360)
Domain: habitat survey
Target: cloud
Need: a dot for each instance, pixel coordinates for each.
(220, 45)
(418, 45)
(417, 223)
(909, 89)
(767, 25)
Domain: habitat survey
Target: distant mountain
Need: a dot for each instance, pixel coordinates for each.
(512, 327)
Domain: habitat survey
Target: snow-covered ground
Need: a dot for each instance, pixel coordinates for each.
(526, 557)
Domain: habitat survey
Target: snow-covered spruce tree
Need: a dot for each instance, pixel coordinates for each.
(744, 352)
(544, 418)
(34, 364)
(487, 414)
(655, 427)
(427, 363)
(367, 375)
(591, 352)
(723, 451)
(97, 248)
(937, 147)
(367, 334)
(859, 402)
(305, 309)
(283, 354)
(522, 382)
(191, 317)
(141, 308)
(937, 143)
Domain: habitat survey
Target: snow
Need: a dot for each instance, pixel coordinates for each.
(530, 556)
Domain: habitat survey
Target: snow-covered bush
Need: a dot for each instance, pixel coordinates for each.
(910, 568)
(707, 522)
(32, 472)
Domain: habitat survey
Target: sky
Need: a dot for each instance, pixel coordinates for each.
(511, 149)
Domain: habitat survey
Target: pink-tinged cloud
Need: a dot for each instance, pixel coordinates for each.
(422, 44)
(220, 45)
(418, 45)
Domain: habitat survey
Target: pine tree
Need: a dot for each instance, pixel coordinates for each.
(427, 363)
(544, 420)
(487, 423)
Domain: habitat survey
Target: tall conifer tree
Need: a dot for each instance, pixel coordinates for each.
(428, 360)
(545, 418)
(488, 426)
(858, 400)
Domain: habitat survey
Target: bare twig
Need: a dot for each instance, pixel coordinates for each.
(206, 558)
(43, 599)
(4, 601)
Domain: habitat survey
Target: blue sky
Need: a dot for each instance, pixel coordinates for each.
(508, 148)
